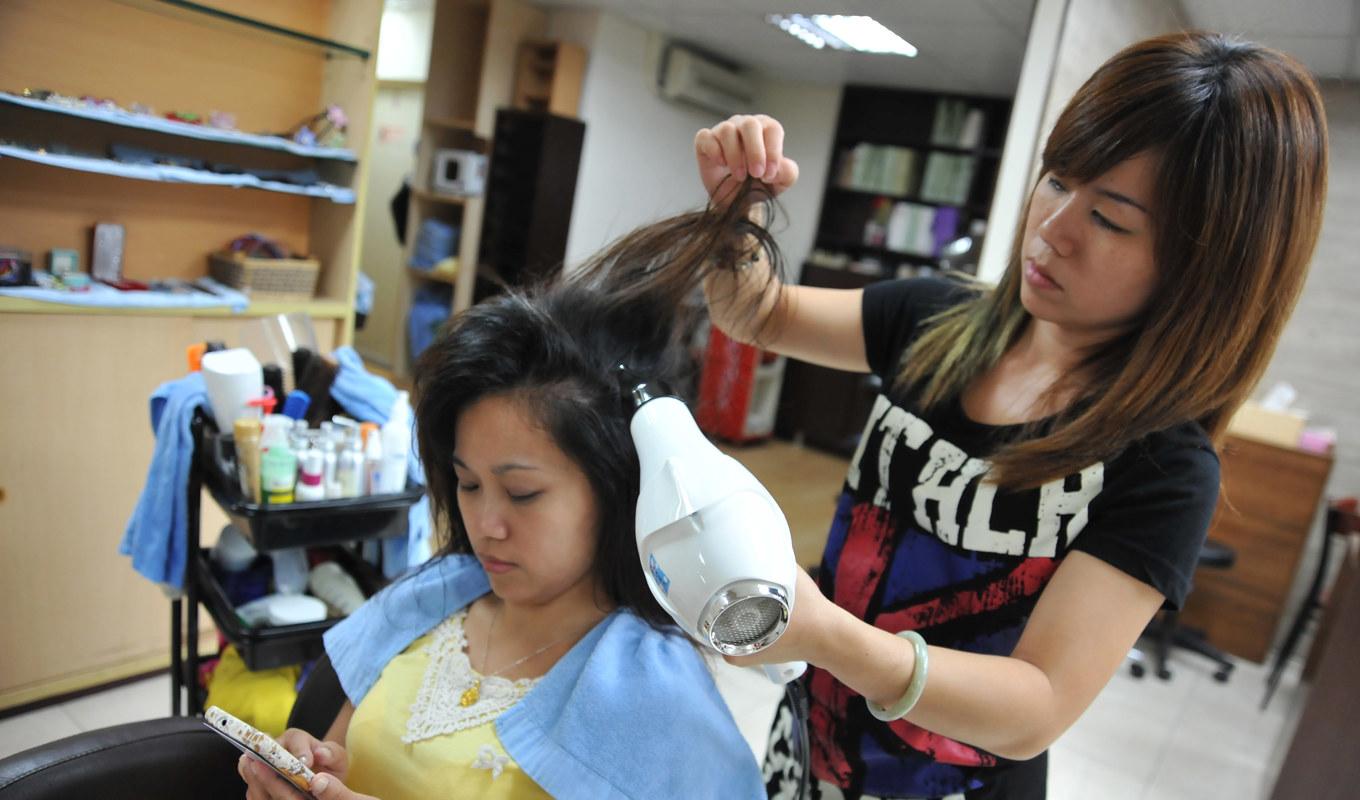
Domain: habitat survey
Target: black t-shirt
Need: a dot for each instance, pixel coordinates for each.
(920, 541)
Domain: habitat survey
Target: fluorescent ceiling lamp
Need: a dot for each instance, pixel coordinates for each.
(860, 34)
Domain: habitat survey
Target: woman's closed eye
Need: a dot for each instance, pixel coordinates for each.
(1099, 218)
(1104, 222)
(524, 497)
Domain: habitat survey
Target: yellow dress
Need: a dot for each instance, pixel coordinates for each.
(411, 738)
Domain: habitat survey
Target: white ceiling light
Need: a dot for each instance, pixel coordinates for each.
(860, 34)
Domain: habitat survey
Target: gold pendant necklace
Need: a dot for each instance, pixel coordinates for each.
(473, 693)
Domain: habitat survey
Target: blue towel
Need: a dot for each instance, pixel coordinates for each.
(158, 530)
(629, 711)
(369, 398)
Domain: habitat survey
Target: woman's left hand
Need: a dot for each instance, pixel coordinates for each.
(262, 783)
(813, 614)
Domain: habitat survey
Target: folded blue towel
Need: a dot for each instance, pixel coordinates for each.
(157, 533)
(628, 712)
(369, 398)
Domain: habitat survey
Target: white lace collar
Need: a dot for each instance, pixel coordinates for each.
(437, 710)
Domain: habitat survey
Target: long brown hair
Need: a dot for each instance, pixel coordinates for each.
(1240, 134)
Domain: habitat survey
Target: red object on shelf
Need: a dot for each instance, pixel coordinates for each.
(725, 387)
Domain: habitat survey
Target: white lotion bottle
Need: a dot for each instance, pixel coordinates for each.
(396, 445)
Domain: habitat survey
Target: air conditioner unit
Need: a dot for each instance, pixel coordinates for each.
(688, 77)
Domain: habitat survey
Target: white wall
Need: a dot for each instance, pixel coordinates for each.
(808, 114)
(638, 164)
(404, 42)
(1319, 353)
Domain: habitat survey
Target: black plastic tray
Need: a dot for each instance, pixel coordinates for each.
(319, 522)
(269, 647)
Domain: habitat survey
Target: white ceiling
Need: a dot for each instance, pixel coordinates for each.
(1323, 34)
(967, 46)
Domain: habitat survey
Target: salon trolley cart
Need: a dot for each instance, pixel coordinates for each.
(343, 523)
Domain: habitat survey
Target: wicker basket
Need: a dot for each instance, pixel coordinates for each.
(271, 278)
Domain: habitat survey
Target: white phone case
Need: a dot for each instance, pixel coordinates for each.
(261, 746)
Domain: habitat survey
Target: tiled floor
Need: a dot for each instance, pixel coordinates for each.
(1142, 739)
(1190, 737)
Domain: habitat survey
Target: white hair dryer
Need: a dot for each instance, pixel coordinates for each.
(714, 545)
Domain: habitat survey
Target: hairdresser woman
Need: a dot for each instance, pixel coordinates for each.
(1037, 477)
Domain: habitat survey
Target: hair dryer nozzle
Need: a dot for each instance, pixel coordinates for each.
(745, 617)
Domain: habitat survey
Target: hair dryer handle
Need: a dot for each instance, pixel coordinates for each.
(785, 672)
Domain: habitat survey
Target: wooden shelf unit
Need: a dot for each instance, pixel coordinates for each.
(905, 119)
(69, 487)
(472, 73)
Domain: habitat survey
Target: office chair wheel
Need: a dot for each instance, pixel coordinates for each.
(1137, 670)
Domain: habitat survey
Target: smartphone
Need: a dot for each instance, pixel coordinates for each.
(260, 746)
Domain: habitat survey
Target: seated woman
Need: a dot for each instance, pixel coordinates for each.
(530, 658)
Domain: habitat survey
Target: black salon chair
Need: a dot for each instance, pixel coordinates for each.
(170, 758)
(1166, 632)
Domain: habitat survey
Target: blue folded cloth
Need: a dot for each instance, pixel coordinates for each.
(629, 711)
(156, 534)
(369, 398)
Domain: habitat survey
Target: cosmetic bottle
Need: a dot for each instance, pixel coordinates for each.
(373, 462)
(278, 463)
(396, 445)
(349, 466)
(311, 471)
(247, 432)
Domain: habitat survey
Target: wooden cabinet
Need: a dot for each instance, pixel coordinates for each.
(548, 77)
(75, 432)
(486, 55)
(1266, 511)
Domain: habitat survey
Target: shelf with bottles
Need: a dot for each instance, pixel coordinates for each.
(370, 512)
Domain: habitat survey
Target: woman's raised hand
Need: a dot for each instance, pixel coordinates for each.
(739, 146)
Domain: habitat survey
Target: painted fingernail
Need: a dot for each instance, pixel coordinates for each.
(320, 782)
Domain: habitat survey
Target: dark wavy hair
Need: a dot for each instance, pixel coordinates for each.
(556, 347)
